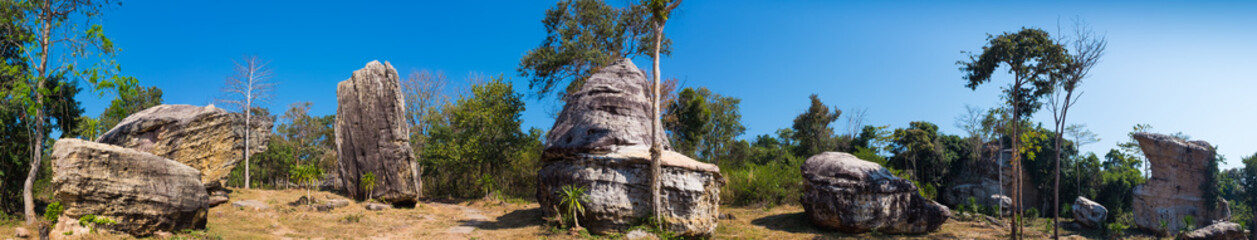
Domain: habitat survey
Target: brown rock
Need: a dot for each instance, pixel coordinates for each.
(21, 232)
(207, 138)
(144, 193)
(1173, 190)
(372, 135)
(854, 196)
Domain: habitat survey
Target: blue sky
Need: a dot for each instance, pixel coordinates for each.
(1180, 66)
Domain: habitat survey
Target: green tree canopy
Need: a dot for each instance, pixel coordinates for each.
(812, 131)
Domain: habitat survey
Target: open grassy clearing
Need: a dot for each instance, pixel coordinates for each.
(493, 219)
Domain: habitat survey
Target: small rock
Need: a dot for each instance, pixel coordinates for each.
(23, 233)
(324, 207)
(253, 204)
(1222, 231)
(378, 206)
(1089, 213)
(217, 200)
(337, 202)
(640, 235)
(727, 216)
(163, 234)
(300, 202)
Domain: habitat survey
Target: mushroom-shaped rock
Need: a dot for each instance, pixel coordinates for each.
(142, 192)
(851, 195)
(1089, 213)
(600, 141)
(372, 136)
(1173, 189)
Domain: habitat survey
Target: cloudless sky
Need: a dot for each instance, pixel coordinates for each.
(1184, 66)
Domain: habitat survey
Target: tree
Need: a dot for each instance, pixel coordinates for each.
(251, 83)
(125, 104)
(478, 137)
(582, 36)
(368, 183)
(659, 12)
(309, 175)
(812, 131)
(919, 150)
(1087, 50)
(1034, 60)
(691, 118)
(40, 28)
(571, 200)
(422, 91)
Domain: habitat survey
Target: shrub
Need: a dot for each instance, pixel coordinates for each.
(770, 184)
(53, 211)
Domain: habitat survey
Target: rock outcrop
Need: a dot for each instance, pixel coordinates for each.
(601, 141)
(1217, 231)
(991, 174)
(851, 195)
(1089, 213)
(1173, 190)
(207, 138)
(372, 135)
(142, 192)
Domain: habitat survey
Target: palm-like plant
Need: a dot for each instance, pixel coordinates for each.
(572, 197)
(309, 175)
(368, 184)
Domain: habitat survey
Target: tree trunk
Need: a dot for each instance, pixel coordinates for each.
(28, 197)
(416, 170)
(247, 115)
(1015, 161)
(656, 167)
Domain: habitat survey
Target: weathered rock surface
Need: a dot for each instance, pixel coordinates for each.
(21, 232)
(1217, 231)
(251, 204)
(1089, 213)
(854, 196)
(601, 141)
(144, 193)
(611, 111)
(378, 206)
(1004, 203)
(1173, 190)
(372, 135)
(991, 174)
(207, 138)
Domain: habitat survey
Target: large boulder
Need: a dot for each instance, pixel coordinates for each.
(372, 135)
(1217, 231)
(1173, 190)
(209, 139)
(142, 192)
(851, 195)
(1089, 213)
(601, 141)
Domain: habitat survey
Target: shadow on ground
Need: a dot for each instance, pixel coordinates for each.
(800, 223)
(517, 219)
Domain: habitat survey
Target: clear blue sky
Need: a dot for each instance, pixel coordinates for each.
(1180, 66)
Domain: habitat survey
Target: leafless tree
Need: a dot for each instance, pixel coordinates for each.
(855, 121)
(422, 91)
(251, 83)
(1087, 48)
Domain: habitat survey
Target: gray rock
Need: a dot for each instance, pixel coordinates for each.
(851, 195)
(1173, 190)
(611, 111)
(1004, 203)
(216, 200)
(1089, 213)
(372, 135)
(143, 192)
(378, 206)
(639, 234)
(337, 202)
(600, 141)
(251, 204)
(21, 232)
(1217, 231)
(206, 138)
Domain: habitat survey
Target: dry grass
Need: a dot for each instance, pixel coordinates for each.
(514, 220)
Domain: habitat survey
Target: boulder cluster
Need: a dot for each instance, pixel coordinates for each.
(154, 172)
(601, 140)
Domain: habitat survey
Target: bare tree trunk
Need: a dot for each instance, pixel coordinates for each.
(656, 167)
(1016, 162)
(28, 197)
(416, 170)
(247, 115)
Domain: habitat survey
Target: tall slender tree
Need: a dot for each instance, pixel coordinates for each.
(659, 12)
(250, 84)
(1087, 49)
(1034, 60)
(42, 27)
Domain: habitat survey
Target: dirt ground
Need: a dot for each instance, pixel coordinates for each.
(493, 219)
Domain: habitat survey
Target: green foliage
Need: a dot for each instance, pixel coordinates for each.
(92, 221)
(919, 150)
(479, 136)
(1116, 229)
(812, 131)
(1119, 177)
(571, 199)
(308, 175)
(692, 118)
(1189, 223)
(583, 36)
(769, 184)
(1030, 55)
(705, 125)
(367, 183)
(53, 211)
(352, 218)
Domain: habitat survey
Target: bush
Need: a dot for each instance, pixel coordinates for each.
(53, 211)
(770, 184)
